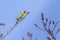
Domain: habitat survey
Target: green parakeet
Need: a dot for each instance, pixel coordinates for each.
(22, 15)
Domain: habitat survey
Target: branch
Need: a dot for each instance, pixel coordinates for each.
(47, 30)
(57, 31)
(38, 27)
(55, 25)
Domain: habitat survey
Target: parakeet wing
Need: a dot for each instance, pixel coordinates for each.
(20, 15)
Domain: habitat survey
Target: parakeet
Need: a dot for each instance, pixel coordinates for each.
(22, 15)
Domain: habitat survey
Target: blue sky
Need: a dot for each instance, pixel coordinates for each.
(10, 9)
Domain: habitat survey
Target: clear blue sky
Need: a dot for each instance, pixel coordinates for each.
(10, 9)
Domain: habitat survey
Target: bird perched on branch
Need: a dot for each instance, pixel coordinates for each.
(22, 15)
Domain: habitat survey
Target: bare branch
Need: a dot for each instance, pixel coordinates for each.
(55, 25)
(38, 27)
(57, 31)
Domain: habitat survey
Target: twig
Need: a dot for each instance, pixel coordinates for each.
(9, 31)
(29, 35)
(56, 25)
(48, 30)
(38, 27)
(12, 28)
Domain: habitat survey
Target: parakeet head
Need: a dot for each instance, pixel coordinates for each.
(24, 11)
